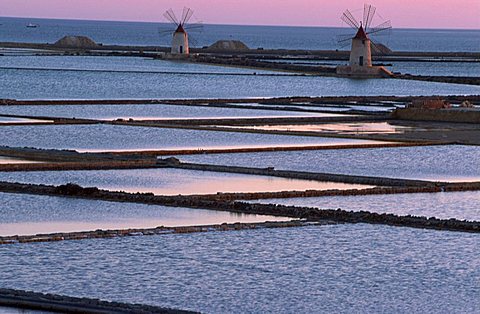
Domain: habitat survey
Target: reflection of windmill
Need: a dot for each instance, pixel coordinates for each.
(361, 52)
(180, 30)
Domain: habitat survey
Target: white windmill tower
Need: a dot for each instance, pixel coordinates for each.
(180, 40)
(360, 63)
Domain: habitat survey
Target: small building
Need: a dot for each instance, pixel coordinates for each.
(180, 42)
(360, 63)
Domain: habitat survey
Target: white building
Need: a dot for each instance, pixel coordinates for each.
(180, 41)
(360, 63)
(361, 53)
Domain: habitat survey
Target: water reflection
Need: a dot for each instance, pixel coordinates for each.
(339, 128)
(173, 181)
(33, 214)
(10, 160)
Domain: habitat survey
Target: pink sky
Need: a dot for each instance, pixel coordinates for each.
(403, 13)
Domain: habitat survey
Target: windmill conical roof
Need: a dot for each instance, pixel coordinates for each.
(361, 34)
(180, 29)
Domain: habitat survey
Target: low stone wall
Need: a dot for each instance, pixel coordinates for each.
(63, 166)
(360, 100)
(438, 115)
(174, 152)
(468, 80)
(312, 214)
(102, 234)
(21, 299)
(328, 177)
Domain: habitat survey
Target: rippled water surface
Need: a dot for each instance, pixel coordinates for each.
(459, 205)
(114, 138)
(172, 181)
(17, 84)
(439, 163)
(315, 38)
(33, 214)
(126, 64)
(344, 268)
(147, 112)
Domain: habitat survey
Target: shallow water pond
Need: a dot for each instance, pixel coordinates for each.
(23, 214)
(173, 181)
(336, 268)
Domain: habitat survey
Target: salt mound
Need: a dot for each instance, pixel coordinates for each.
(76, 42)
(228, 45)
(381, 48)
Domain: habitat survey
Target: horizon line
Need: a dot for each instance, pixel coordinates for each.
(222, 24)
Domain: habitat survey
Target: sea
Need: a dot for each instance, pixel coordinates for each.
(25, 75)
(267, 37)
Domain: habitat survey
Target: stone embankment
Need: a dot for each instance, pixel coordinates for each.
(64, 166)
(206, 202)
(175, 152)
(119, 233)
(456, 115)
(28, 300)
(263, 65)
(317, 176)
(467, 80)
(327, 100)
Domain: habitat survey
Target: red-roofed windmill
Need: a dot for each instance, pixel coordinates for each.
(362, 44)
(181, 27)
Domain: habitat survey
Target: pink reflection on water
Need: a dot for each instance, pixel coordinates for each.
(10, 160)
(31, 228)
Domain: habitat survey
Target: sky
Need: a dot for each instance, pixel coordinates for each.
(403, 13)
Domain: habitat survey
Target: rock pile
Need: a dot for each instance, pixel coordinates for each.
(81, 42)
(228, 45)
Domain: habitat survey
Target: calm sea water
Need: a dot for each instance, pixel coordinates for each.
(135, 33)
(329, 269)
(61, 84)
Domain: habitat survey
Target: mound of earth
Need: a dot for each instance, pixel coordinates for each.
(381, 48)
(228, 45)
(76, 42)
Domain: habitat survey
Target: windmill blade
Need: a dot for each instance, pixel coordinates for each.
(344, 44)
(368, 14)
(193, 41)
(380, 28)
(348, 18)
(170, 16)
(194, 28)
(186, 15)
(165, 32)
(340, 39)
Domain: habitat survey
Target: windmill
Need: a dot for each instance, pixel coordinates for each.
(179, 28)
(360, 63)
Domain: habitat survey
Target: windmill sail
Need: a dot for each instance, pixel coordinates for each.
(369, 16)
(179, 30)
(348, 18)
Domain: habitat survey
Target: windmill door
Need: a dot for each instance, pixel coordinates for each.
(360, 61)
